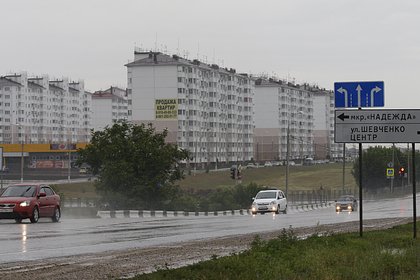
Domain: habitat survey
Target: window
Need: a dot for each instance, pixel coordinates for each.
(46, 190)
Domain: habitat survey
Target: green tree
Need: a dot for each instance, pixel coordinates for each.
(243, 194)
(374, 164)
(134, 165)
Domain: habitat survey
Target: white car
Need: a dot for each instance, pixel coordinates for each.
(269, 201)
(251, 165)
(268, 164)
(83, 170)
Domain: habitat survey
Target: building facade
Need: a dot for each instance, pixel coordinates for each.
(284, 113)
(38, 110)
(108, 107)
(324, 145)
(42, 120)
(207, 109)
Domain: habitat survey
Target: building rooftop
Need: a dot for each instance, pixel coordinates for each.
(154, 58)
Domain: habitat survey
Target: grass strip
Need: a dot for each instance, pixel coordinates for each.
(382, 254)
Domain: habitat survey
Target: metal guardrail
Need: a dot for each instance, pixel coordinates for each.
(164, 213)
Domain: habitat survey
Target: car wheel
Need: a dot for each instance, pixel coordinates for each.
(35, 215)
(57, 215)
(278, 209)
(18, 220)
(285, 210)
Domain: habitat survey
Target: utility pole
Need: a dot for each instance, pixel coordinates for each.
(22, 162)
(287, 157)
(408, 165)
(69, 164)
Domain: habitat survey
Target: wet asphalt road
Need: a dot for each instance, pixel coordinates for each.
(19, 242)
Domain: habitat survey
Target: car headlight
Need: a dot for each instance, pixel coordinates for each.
(337, 207)
(349, 207)
(25, 203)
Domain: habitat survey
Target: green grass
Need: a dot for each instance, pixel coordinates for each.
(76, 190)
(300, 178)
(386, 254)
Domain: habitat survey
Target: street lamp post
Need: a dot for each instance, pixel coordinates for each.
(288, 152)
(21, 151)
(21, 162)
(69, 163)
(287, 157)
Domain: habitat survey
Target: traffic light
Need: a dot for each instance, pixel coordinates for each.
(233, 172)
(401, 172)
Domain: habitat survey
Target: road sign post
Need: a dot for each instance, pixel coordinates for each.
(379, 126)
(358, 95)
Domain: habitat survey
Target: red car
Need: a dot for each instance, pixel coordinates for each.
(22, 201)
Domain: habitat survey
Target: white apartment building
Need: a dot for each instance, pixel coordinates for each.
(324, 145)
(207, 109)
(38, 110)
(283, 111)
(108, 107)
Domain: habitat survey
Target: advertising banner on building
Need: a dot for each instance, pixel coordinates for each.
(62, 146)
(40, 164)
(166, 109)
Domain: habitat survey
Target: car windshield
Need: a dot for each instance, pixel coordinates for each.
(263, 195)
(346, 198)
(19, 191)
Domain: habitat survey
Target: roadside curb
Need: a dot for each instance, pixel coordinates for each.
(164, 213)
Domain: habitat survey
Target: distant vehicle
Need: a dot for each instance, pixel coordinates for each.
(268, 164)
(308, 161)
(346, 203)
(251, 165)
(269, 201)
(277, 163)
(29, 201)
(83, 170)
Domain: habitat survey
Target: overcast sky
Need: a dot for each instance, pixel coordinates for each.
(314, 41)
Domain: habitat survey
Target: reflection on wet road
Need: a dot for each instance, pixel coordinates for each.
(80, 236)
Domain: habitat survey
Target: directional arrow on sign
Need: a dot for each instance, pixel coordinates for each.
(344, 92)
(372, 95)
(342, 117)
(359, 95)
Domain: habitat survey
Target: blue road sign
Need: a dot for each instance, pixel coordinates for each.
(359, 94)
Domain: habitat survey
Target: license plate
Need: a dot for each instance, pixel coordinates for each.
(6, 210)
